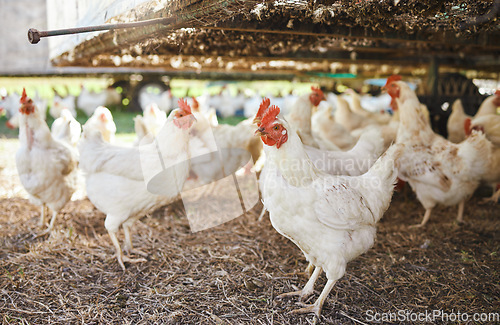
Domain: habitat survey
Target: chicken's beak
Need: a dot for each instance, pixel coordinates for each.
(260, 132)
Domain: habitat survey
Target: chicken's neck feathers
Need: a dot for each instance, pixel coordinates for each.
(413, 125)
(292, 160)
(32, 127)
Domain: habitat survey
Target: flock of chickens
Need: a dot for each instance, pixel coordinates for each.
(327, 169)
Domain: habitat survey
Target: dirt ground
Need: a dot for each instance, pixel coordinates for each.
(231, 274)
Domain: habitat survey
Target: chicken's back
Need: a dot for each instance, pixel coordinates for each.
(444, 172)
(48, 172)
(455, 124)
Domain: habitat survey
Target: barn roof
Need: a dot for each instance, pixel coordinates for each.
(302, 38)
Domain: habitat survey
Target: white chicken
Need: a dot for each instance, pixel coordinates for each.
(354, 162)
(220, 151)
(116, 182)
(11, 104)
(154, 118)
(300, 115)
(66, 128)
(438, 171)
(60, 103)
(209, 113)
(164, 100)
(102, 119)
(148, 124)
(490, 105)
(357, 108)
(47, 167)
(455, 123)
(226, 104)
(326, 131)
(347, 118)
(89, 100)
(490, 125)
(332, 219)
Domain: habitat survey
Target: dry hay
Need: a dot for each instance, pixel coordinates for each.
(232, 273)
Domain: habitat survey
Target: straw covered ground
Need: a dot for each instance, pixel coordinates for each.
(232, 273)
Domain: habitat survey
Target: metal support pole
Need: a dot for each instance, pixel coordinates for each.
(35, 35)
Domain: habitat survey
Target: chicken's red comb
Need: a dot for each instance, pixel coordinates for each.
(262, 109)
(467, 128)
(24, 97)
(183, 105)
(497, 93)
(391, 79)
(270, 115)
(317, 90)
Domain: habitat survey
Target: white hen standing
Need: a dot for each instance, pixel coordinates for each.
(115, 181)
(438, 171)
(332, 219)
(46, 166)
(102, 120)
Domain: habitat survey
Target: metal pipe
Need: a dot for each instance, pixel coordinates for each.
(35, 35)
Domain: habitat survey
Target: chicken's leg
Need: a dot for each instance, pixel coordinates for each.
(494, 198)
(52, 221)
(308, 288)
(119, 254)
(128, 241)
(460, 216)
(262, 213)
(51, 225)
(309, 269)
(427, 215)
(318, 304)
(42, 216)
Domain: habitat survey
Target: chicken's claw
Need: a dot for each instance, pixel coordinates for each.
(130, 260)
(491, 200)
(136, 251)
(43, 233)
(308, 309)
(303, 295)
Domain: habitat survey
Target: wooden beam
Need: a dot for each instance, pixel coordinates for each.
(490, 40)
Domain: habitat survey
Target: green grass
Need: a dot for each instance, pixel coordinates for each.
(231, 120)
(5, 131)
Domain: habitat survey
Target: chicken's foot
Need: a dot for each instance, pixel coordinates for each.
(119, 254)
(318, 304)
(128, 247)
(427, 215)
(308, 288)
(51, 225)
(493, 199)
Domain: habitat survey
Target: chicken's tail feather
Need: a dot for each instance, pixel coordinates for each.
(385, 167)
(380, 181)
(476, 151)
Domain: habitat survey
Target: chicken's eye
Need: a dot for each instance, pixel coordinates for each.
(276, 128)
